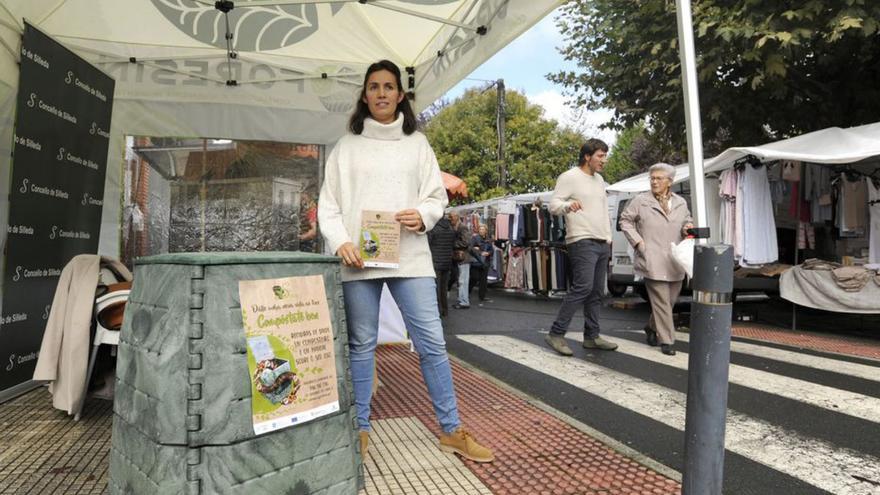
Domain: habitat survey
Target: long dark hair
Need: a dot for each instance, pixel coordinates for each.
(362, 111)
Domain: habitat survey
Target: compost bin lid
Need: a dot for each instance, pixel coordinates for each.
(235, 258)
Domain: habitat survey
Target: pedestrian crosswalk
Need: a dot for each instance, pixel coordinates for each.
(815, 460)
(826, 397)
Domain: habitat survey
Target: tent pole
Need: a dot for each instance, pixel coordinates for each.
(797, 233)
(692, 111)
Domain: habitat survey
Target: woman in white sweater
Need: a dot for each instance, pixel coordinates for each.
(384, 164)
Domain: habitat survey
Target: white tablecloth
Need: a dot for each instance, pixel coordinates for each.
(817, 289)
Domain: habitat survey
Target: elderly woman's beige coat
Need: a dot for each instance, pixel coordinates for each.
(644, 220)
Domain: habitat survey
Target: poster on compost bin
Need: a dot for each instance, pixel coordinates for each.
(291, 360)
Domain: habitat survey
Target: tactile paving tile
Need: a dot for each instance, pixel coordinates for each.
(535, 452)
(837, 344)
(403, 458)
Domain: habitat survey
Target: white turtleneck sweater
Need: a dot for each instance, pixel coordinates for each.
(382, 169)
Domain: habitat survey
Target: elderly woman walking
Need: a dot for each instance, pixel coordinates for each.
(651, 222)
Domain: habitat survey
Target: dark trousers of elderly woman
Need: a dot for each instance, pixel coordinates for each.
(662, 296)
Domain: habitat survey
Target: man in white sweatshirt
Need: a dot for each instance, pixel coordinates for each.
(580, 196)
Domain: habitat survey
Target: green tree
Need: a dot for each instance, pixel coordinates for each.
(620, 163)
(464, 138)
(767, 69)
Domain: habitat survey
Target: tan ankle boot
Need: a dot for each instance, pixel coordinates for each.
(461, 442)
(365, 443)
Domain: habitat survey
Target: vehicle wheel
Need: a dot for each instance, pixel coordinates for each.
(616, 290)
(642, 291)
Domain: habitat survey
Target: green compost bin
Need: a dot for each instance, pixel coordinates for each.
(183, 421)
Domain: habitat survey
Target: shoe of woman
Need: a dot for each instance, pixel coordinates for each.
(650, 336)
(667, 349)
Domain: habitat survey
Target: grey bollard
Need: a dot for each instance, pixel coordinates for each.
(708, 363)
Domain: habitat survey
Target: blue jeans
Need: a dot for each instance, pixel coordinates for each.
(589, 265)
(464, 288)
(417, 300)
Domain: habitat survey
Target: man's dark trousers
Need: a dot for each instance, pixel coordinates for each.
(442, 300)
(589, 266)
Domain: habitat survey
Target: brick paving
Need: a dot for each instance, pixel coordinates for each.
(535, 452)
(849, 346)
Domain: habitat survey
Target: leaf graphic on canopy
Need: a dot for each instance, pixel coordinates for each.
(253, 28)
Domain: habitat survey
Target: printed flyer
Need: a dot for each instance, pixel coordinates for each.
(291, 361)
(380, 239)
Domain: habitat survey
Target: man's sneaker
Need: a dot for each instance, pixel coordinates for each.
(558, 344)
(365, 443)
(464, 444)
(599, 343)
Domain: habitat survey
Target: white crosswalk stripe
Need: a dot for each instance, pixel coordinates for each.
(817, 462)
(820, 363)
(830, 398)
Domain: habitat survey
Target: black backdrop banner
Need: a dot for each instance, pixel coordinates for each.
(59, 163)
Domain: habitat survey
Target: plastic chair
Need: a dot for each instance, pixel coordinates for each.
(102, 335)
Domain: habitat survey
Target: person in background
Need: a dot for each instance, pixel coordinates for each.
(461, 258)
(308, 223)
(481, 257)
(441, 239)
(580, 196)
(652, 222)
(385, 164)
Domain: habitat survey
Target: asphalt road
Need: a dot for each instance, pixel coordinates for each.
(799, 422)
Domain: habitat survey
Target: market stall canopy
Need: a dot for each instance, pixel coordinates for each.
(302, 55)
(829, 146)
(455, 187)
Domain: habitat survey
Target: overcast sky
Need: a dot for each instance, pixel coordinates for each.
(523, 65)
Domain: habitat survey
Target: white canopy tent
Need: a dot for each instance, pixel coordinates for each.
(829, 146)
(289, 73)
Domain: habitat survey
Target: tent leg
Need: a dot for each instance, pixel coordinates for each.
(797, 233)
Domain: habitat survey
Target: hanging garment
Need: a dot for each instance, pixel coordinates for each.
(521, 227)
(502, 226)
(874, 211)
(547, 224)
(727, 192)
(791, 171)
(759, 227)
(495, 264)
(851, 207)
(806, 236)
(527, 269)
(531, 224)
(738, 218)
(817, 190)
(539, 218)
(805, 215)
(514, 277)
(514, 227)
